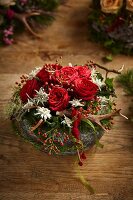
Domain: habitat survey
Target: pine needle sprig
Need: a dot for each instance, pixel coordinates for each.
(126, 80)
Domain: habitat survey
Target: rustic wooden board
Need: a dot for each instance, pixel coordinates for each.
(26, 173)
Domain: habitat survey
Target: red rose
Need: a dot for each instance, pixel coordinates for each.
(43, 75)
(66, 75)
(29, 89)
(58, 99)
(83, 71)
(84, 89)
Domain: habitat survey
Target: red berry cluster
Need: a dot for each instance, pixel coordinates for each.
(52, 140)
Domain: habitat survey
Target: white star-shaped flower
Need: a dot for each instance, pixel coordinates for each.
(28, 105)
(93, 73)
(33, 73)
(104, 101)
(44, 113)
(76, 102)
(67, 121)
(41, 96)
(96, 80)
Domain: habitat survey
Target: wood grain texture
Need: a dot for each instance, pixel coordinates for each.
(26, 173)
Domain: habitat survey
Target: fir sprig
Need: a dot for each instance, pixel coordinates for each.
(126, 80)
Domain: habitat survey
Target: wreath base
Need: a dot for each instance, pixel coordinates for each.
(89, 138)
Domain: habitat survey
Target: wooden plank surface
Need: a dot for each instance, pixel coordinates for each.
(26, 173)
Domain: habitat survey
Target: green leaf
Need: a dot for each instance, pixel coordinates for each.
(89, 123)
(109, 83)
(108, 43)
(98, 144)
(108, 58)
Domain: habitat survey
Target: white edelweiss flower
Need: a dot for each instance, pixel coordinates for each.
(76, 102)
(98, 82)
(44, 113)
(67, 121)
(93, 73)
(104, 101)
(33, 73)
(41, 96)
(95, 80)
(28, 105)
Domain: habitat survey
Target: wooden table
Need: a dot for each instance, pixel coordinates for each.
(27, 174)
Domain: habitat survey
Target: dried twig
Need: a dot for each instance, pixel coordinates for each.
(106, 69)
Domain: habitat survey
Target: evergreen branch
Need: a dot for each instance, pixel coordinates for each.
(126, 80)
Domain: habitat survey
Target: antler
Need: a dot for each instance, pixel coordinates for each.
(23, 17)
(37, 125)
(97, 118)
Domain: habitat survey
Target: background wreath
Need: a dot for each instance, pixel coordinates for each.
(111, 24)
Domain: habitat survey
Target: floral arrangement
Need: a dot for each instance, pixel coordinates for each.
(111, 23)
(15, 15)
(64, 109)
